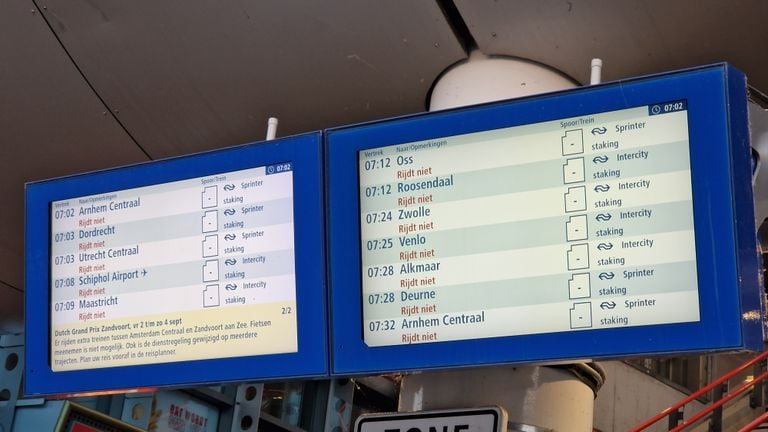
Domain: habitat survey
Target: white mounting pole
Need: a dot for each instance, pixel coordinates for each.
(597, 70)
(536, 398)
(271, 128)
(484, 79)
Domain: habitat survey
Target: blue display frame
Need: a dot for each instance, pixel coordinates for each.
(305, 154)
(726, 248)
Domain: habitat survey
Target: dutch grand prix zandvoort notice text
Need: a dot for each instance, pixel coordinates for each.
(194, 269)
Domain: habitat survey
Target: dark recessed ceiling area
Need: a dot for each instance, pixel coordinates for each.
(91, 85)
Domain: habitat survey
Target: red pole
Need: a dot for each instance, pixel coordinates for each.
(755, 423)
(701, 391)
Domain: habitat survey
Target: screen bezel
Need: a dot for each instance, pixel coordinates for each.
(719, 154)
(311, 360)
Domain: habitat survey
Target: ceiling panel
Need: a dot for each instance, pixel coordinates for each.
(51, 123)
(187, 75)
(633, 37)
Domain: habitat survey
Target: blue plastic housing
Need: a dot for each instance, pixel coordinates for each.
(304, 153)
(730, 292)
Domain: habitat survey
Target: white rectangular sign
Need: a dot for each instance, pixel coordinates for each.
(487, 419)
(577, 224)
(187, 270)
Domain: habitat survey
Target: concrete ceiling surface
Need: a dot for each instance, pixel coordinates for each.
(51, 124)
(186, 76)
(87, 85)
(633, 37)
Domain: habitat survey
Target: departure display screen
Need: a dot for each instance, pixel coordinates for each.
(575, 224)
(193, 269)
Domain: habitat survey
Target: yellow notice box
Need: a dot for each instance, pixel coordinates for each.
(197, 335)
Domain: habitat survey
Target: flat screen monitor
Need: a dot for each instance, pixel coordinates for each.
(605, 221)
(205, 268)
